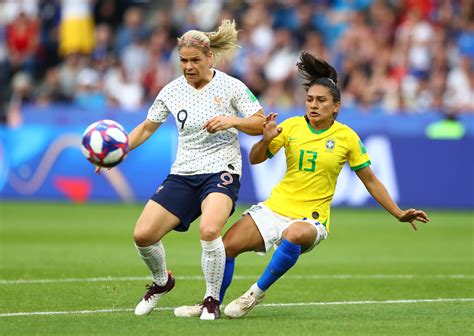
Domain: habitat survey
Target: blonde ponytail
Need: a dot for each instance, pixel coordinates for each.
(222, 42)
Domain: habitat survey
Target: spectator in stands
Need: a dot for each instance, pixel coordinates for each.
(88, 93)
(49, 90)
(22, 37)
(76, 30)
(68, 72)
(132, 28)
(21, 93)
(459, 94)
(125, 91)
(424, 40)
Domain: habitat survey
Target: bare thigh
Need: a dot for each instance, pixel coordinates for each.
(243, 236)
(153, 223)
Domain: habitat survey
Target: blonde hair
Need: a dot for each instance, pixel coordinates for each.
(222, 42)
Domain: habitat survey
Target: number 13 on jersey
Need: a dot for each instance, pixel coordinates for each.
(307, 161)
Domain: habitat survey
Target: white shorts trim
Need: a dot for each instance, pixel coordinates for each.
(272, 225)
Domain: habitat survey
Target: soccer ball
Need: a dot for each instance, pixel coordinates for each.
(105, 143)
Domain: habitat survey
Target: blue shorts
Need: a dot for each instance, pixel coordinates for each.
(182, 195)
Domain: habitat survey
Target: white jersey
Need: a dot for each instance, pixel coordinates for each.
(200, 152)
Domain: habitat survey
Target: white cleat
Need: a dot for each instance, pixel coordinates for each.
(188, 311)
(245, 303)
(152, 295)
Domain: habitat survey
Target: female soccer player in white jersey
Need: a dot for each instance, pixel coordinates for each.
(296, 216)
(204, 179)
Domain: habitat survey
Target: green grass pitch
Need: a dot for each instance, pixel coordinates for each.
(73, 270)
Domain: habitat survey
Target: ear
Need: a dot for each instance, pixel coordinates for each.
(337, 106)
(210, 59)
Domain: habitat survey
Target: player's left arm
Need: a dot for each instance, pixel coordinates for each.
(378, 191)
(252, 125)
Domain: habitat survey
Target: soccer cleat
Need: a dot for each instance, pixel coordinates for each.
(245, 303)
(189, 311)
(152, 295)
(210, 309)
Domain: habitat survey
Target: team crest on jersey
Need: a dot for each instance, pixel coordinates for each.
(330, 144)
(218, 100)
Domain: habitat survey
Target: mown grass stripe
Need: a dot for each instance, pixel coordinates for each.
(268, 305)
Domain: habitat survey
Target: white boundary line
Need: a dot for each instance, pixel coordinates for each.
(269, 305)
(248, 277)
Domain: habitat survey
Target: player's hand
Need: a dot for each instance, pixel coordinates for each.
(218, 123)
(412, 215)
(270, 128)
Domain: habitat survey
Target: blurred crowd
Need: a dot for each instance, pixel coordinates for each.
(408, 56)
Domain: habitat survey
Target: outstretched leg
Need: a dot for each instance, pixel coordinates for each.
(298, 237)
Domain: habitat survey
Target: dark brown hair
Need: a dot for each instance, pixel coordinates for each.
(318, 72)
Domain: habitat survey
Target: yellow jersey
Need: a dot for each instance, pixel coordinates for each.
(314, 160)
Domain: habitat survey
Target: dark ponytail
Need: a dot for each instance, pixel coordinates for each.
(318, 72)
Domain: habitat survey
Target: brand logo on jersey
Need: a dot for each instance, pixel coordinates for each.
(159, 189)
(218, 100)
(292, 138)
(330, 144)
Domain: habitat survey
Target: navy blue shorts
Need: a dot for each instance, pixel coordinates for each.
(182, 195)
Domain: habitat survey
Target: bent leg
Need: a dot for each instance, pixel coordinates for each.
(298, 237)
(153, 223)
(242, 236)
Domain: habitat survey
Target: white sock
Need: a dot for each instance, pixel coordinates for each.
(154, 257)
(257, 290)
(213, 264)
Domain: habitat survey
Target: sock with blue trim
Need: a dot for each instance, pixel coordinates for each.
(282, 260)
(228, 275)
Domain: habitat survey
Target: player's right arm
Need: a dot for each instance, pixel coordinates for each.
(141, 133)
(258, 153)
(137, 136)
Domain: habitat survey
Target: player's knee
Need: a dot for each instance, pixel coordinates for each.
(301, 236)
(232, 249)
(142, 237)
(208, 232)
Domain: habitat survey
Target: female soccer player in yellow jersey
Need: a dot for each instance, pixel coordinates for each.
(296, 216)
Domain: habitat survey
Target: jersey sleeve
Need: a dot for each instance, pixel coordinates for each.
(278, 142)
(358, 157)
(158, 111)
(244, 100)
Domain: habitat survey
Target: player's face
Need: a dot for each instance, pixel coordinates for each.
(196, 66)
(320, 107)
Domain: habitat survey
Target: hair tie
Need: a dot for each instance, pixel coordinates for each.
(194, 40)
(331, 80)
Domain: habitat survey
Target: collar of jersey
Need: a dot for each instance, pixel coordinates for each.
(214, 73)
(315, 131)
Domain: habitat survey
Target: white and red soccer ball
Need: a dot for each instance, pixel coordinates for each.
(105, 143)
